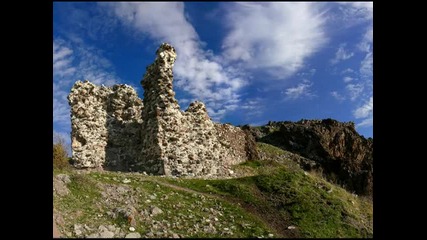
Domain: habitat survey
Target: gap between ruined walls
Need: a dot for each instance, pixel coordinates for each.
(113, 129)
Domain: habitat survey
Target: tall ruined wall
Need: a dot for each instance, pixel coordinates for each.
(113, 129)
(182, 143)
(105, 125)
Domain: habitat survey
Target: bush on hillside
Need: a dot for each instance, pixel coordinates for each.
(60, 156)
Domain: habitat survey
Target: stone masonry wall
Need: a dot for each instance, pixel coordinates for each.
(183, 143)
(113, 129)
(105, 125)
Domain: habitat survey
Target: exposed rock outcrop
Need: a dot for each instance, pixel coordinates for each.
(343, 155)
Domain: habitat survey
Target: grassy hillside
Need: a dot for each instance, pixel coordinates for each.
(278, 199)
(284, 195)
(108, 199)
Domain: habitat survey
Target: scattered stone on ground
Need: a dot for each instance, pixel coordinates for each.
(133, 235)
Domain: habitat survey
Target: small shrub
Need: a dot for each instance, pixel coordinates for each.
(60, 156)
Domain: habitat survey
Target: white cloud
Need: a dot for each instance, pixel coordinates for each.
(341, 55)
(197, 72)
(366, 113)
(252, 107)
(363, 9)
(365, 110)
(216, 114)
(276, 37)
(348, 79)
(353, 13)
(95, 67)
(368, 122)
(184, 101)
(366, 44)
(309, 73)
(354, 90)
(302, 90)
(362, 89)
(346, 71)
(72, 62)
(62, 59)
(366, 66)
(61, 110)
(337, 96)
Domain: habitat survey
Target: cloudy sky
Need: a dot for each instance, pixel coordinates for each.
(248, 62)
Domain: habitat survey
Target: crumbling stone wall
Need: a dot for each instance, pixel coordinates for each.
(105, 125)
(113, 129)
(234, 139)
(183, 143)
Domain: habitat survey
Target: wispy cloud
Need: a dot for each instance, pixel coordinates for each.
(253, 107)
(61, 110)
(366, 44)
(348, 79)
(309, 73)
(62, 59)
(197, 71)
(368, 122)
(341, 54)
(363, 10)
(256, 41)
(365, 112)
(72, 62)
(347, 71)
(354, 90)
(337, 96)
(366, 66)
(353, 13)
(302, 90)
(358, 81)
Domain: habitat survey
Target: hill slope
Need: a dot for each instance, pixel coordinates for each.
(272, 197)
(338, 150)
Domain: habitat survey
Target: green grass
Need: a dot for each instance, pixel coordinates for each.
(300, 199)
(279, 192)
(269, 149)
(84, 204)
(79, 205)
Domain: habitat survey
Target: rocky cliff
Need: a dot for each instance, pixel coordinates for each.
(342, 154)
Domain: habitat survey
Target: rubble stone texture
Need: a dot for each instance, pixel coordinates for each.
(113, 129)
(105, 125)
(343, 155)
(183, 143)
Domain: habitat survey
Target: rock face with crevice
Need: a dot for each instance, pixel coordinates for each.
(339, 151)
(113, 129)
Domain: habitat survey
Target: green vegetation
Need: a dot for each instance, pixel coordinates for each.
(192, 210)
(276, 198)
(316, 207)
(60, 156)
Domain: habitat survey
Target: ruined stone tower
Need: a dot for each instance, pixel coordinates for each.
(160, 102)
(156, 136)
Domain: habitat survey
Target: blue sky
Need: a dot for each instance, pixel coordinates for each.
(248, 62)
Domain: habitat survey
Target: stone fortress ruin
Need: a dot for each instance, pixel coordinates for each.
(113, 129)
